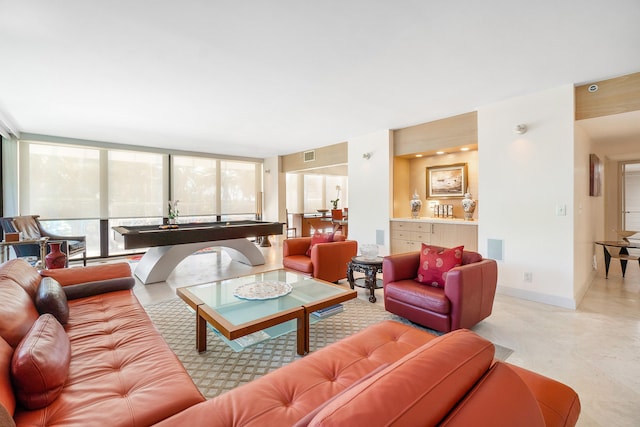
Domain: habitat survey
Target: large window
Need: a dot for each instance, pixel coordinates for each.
(238, 187)
(62, 182)
(75, 189)
(195, 185)
(135, 184)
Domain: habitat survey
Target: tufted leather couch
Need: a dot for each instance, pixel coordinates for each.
(466, 299)
(326, 261)
(393, 374)
(111, 367)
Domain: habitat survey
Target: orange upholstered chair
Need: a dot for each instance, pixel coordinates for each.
(325, 261)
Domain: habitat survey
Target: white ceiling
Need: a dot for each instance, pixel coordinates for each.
(261, 78)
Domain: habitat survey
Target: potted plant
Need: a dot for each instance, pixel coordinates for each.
(173, 212)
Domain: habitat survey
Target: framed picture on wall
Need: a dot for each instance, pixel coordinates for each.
(447, 180)
(595, 182)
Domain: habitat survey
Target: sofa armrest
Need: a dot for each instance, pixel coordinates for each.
(471, 288)
(400, 267)
(295, 246)
(559, 403)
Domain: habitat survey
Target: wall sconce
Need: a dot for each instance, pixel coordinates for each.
(520, 129)
(366, 156)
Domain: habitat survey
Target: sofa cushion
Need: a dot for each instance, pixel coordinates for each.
(122, 372)
(434, 264)
(17, 312)
(416, 294)
(419, 389)
(7, 398)
(282, 397)
(21, 272)
(51, 298)
(301, 263)
(40, 363)
(319, 238)
(312, 414)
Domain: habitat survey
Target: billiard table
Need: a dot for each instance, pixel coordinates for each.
(170, 244)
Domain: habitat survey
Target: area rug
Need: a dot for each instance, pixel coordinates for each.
(220, 369)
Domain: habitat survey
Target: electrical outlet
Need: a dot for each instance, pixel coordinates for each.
(528, 276)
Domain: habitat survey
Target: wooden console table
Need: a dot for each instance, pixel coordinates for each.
(622, 255)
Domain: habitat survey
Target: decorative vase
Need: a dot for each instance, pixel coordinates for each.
(55, 258)
(416, 205)
(469, 206)
(173, 221)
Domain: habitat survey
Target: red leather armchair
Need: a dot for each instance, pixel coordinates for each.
(328, 261)
(466, 299)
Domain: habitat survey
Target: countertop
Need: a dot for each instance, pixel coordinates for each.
(438, 220)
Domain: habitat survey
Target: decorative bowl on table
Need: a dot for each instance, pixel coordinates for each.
(369, 251)
(625, 234)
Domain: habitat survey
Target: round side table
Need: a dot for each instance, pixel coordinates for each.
(370, 267)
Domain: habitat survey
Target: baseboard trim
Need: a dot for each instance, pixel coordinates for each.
(538, 297)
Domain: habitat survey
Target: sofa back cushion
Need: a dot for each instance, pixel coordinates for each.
(419, 389)
(7, 398)
(92, 273)
(40, 363)
(22, 273)
(17, 312)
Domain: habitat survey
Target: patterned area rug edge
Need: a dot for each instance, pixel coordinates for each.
(221, 369)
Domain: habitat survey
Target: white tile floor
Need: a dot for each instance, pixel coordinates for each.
(595, 349)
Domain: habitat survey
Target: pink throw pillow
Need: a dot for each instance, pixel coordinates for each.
(319, 238)
(434, 265)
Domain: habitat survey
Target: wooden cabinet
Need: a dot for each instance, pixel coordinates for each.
(408, 236)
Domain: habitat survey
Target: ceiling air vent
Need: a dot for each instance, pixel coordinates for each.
(309, 156)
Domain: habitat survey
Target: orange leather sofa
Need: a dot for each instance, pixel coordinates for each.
(466, 299)
(327, 261)
(107, 366)
(393, 374)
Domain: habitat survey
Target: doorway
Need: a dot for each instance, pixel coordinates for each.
(630, 211)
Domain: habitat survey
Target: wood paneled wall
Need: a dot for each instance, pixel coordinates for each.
(429, 137)
(614, 96)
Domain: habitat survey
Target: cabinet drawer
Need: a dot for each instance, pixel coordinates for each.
(396, 225)
(401, 235)
(420, 237)
(424, 227)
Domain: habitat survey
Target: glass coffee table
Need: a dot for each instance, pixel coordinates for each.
(248, 304)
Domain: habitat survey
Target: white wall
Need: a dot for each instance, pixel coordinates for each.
(523, 180)
(274, 190)
(370, 188)
(588, 215)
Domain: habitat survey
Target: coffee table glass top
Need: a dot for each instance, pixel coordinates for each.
(220, 295)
